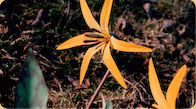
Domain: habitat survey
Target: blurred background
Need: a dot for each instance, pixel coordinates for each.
(166, 26)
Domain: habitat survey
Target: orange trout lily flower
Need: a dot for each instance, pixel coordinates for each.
(102, 41)
(172, 92)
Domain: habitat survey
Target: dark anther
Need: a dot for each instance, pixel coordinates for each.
(94, 36)
(88, 41)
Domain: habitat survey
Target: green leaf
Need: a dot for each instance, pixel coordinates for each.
(109, 104)
(31, 91)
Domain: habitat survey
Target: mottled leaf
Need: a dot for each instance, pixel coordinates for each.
(109, 104)
(31, 91)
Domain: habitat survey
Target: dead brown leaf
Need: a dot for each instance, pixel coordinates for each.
(76, 83)
(3, 29)
(167, 23)
(186, 58)
(1, 72)
(87, 83)
(182, 31)
(121, 24)
(39, 15)
(8, 57)
(27, 32)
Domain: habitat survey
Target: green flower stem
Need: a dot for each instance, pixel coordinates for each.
(97, 90)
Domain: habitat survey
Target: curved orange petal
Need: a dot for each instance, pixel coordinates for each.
(76, 41)
(1, 107)
(111, 65)
(128, 47)
(194, 107)
(174, 87)
(155, 86)
(141, 108)
(194, 1)
(1, 1)
(88, 17)
(86, 60)
(105, 15)
(156, 106)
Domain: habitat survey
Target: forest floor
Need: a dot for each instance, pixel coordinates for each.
(166, 26)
